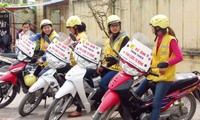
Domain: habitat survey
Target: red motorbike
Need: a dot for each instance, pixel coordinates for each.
(179, 103)
(10, 82)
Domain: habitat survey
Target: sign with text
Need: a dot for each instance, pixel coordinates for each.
(4, 24)
(88, 50)
(137, 54)
(59, 50)
(26, 46)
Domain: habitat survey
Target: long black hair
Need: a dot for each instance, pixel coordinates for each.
(168, 30)
(81, 28)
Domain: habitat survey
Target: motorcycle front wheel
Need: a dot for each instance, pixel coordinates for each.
(7, 93)
(107, 115)
(30, 102)
(58, 107)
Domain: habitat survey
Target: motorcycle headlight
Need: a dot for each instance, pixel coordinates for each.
(54, 62)
(84, 63)
(21, 56)
(128, 69)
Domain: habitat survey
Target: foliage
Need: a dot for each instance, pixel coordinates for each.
(8, 4)
(100, 10)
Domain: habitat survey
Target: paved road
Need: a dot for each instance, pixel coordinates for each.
(11, 112)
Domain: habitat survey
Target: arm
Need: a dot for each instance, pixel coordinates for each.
(174, 48)
(124, 42)
(67, 41)
(35, 37)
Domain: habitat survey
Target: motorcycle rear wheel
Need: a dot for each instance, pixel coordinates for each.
(58, 107)
(189, 101)
(4, 89)
(30, 102)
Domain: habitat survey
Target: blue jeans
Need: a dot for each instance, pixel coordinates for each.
(161, 90)
(90, 73)
(103, 84)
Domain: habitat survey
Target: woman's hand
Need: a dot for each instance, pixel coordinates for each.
(46, 46)
(162, 71)
(99, 70)
(67, 41)
(162, 67)
(40, 61)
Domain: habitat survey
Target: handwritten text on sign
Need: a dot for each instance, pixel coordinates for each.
(88, 50)
(137, 54)
(60, 50)
(26, 46)
(4, 24)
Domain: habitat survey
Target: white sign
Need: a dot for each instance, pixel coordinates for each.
(88, 50)
(59, 50)
(26, 46)
(137, 54)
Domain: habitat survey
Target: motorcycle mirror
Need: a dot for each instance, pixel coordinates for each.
(72, 37)
(163, 65)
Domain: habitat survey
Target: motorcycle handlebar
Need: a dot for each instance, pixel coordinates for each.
(150, 73)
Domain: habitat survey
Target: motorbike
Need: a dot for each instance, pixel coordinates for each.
(51, 79)
(87, 55)
(121, 96)
(6, 56)
(13, 80)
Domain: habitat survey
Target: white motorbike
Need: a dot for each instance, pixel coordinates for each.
(87, 55)
(58, 59)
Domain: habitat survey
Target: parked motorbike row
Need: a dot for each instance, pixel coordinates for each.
(65, 85)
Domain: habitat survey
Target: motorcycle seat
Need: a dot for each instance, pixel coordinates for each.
(183, 80)
(9, 55)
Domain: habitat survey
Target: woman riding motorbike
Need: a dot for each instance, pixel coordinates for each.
(78, 29)
(42, 43)
(42, 39)
(109, 67)
(166, 49)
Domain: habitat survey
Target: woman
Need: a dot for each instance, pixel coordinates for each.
(117, 40)
(44, 39)
(78, 29)
(166, 49)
